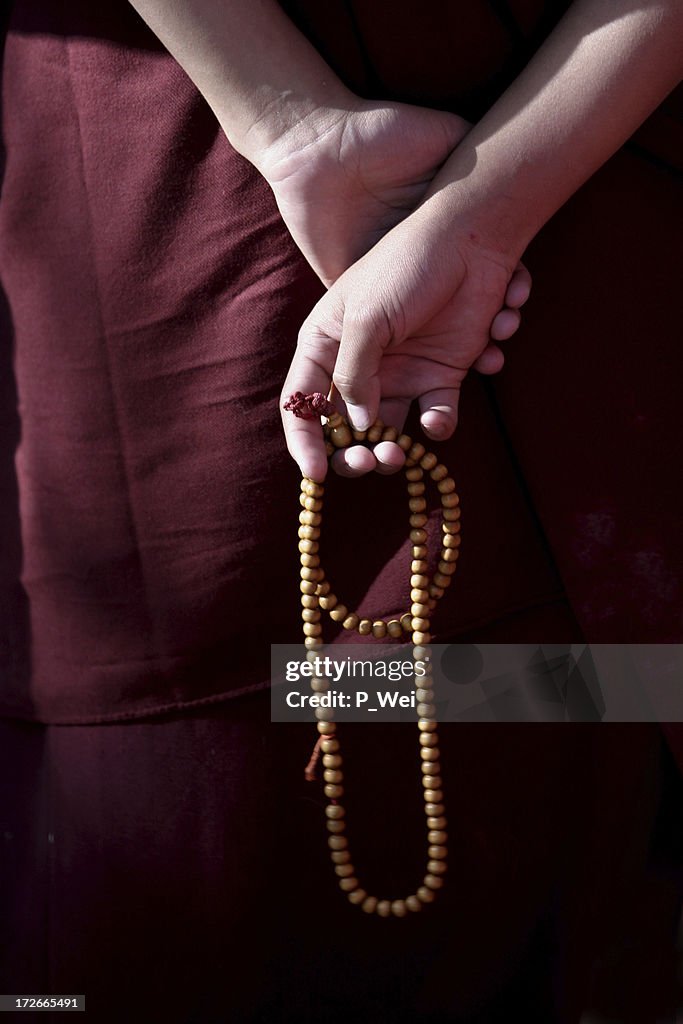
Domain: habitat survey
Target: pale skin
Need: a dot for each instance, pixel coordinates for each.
(415, 298)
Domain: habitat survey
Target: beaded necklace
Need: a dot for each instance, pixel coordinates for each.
(317, 596)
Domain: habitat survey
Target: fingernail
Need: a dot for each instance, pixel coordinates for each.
(358, 416)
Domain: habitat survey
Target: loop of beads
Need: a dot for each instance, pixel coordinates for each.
(317, 597)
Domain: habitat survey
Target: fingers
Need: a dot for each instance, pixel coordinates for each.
(490, 361)
(439, 413)
(505, 324)
(519, 288)
(310, 371)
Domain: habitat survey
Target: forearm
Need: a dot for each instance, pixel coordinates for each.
(604, 69)
(259, 74)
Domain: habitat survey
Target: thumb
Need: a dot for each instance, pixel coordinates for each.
(364, 337)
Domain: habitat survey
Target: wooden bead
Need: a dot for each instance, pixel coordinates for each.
(364, 626)
(418, 520)
(323, 588)
(406, 622)
(451, 515)
(446, 486)
(312, 628)
(313, 504)
(426, 724)
(425, 895)
(357, 896)
(335, 826)
(420, 551)
(337, 842)
(452, 541)
(311, 561)
(320, 685)
(437, 867)
(307, 587)
(435, 823)
(415, 505)
(447, 568)
(341, 436)
(329, 747)
(419, 595)
(416, 452)
(431, 781)
(332, 761)
(335, 811)
(419, 565)
(307, 518)
(415, 488)
(310, 573)
(350, 622)
(375, 431)
(398, 908)
(434, 810)
(389, 434)
(429, 753)
(437, 852)
(349, 884)
(344, 870)
(310, 614)
(359, 435)
(326, 728)
(339, 612)
(421, 638)
(441, 580)
(394, 628)
(413, 474)
(421, 611)
(333, 792)
(435, 591)
(384, 908)
(433, 881)
(428, 461)
(428, 739)
(312, 488)
(369, 904)
(309, 532)
(323, 714)
(333, 774)
(438, 473)
(419, 580)
(379, 629)
(308, 547)
(433, 796)
(313, 642)
(328, 602)
(437, 836)
(309, 601)
(451, 527)
(418, 626)
(431, 769)
(421, 654)
(413, 903)
(425, 707)
(418, 536)
(449, 555)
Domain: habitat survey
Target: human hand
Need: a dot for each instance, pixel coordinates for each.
(407, 321)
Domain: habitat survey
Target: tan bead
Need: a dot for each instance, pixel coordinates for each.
(332, 761)
(339, 612)
(343, 857)
(364, 626)
(451, 528)
(307, 587)
(341, 436)
(422, 653)
(436, 823)
(333, 792)
(437, 867)
(323, 587)
(312, 489)
(447, 568)
(335, 826)
(348, 884)
(416, 488)
(413, 904)
(375, 431)
(329, 747)
(416, 452)
(394, 627)
(309, 601)
(419, 566)
(350, 622)
(428, 461)
(312, 561)
(449, 555)
(441, 580)
(434, 811)
(419, 595)
(418, 536)
(344, 870)
(333, 774)
(357, 896)
(439, 472)
(413, 474)
(326, 728)
(446, 486)
(313, 504)
(406, 622)
(420, 551)
(369, 905)
(425, 895)
(323, 714)
(379, 629)
(436, 592)
(359, 435)
(307, 518)
(424, 695)
(421, 638)
(420, 625)
(432, 781)
(384, 908)
(309, 532)
(433, 882)
(433, 796)
(389, 434)
(337, 842)
(335, 811)
(437, 836)
(426, 710)
(310, 573)
(420, 611)
(431, 769)
(328, 603)
(404, 442)
(416, 505)
(398, 908)
(419, 580)
(450, 514)
(426, 724)
(428, 739)
(310, 615)
(429, 753)
(308, 547)
(319, 685)
(313, 642)
(312, 628)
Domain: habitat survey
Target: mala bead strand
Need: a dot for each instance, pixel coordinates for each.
(317, 597)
